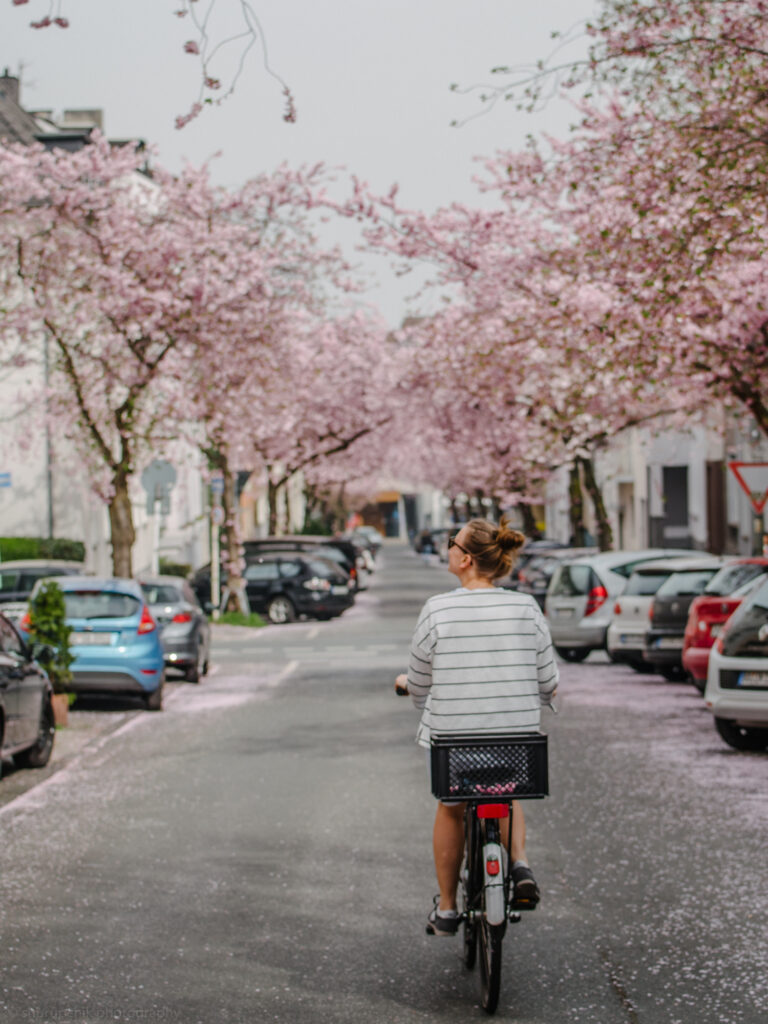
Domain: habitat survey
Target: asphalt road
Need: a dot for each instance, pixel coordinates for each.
(260, 851)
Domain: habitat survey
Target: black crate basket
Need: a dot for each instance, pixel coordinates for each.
(473, 767)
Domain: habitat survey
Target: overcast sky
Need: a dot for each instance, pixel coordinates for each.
(370, 79)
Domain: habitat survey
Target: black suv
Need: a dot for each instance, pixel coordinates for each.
(287, 584)
(343, 552)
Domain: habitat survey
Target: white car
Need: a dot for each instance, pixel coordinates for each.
(582, 593)
(737, 675)
(625, 639)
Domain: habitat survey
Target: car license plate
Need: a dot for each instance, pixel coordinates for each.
(715, 629)
(92, 639)
(339, 590)
(753, 679)
(563, 613)
(670, 641)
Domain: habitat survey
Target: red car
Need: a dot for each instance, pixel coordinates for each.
(709, 612)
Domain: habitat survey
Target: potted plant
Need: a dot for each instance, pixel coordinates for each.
(49, 635)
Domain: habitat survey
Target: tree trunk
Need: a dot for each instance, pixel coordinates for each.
(578, 529)
(122, 532)
(530, 529)
(604, 529)
(287, 500)
(272, 490)
(234, 598)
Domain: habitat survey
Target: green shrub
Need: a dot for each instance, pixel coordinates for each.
(169, 568)
(241, 619)
(316, 527)
(14, 548)
(47, 625)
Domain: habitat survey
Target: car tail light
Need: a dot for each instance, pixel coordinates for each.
(25, 622)
(146, 622)
(650, 611)
(182, 617)
(597, 597)
(352, 573)
(617, 609)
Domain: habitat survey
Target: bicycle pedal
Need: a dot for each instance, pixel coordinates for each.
(523, 905)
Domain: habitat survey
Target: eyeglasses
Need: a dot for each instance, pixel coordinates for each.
(453, 543)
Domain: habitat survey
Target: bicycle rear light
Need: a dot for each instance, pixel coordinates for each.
(492, 811)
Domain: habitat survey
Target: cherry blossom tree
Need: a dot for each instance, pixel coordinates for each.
(133, 280)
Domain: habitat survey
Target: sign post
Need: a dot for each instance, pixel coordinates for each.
(217, 518)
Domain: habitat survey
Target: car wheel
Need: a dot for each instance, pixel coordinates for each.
(740, 737)
(280, 610)
(672, 673)
(154, 700)
(192, 673)
(574, 654)
(39, 755)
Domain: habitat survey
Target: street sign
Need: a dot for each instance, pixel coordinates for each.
(217, 515)
(157, 480)
(753, 478)
(217, 482)
(5, 479)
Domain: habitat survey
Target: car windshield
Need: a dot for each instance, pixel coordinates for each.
(572, 581)
(100, 604)
(320, 568)
(732, 577)
(686, 584)
(9, 582)
(644, 584)
(756, 601)
(161, 593)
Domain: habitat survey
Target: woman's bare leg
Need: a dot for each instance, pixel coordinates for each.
(448, 848)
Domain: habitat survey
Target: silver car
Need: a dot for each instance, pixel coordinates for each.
(582, 593)
(625, 639)
(185, 634)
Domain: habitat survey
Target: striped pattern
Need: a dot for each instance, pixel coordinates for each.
(481, 661)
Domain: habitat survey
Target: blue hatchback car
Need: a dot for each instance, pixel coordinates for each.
(114, 639)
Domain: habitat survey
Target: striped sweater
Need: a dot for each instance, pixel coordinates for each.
(481, 661)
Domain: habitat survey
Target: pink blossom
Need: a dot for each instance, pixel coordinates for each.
(191, 47)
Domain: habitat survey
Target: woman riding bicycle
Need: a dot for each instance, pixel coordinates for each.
(481, 660)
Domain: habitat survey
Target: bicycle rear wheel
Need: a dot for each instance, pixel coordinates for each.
(471, 883)
(490, 963)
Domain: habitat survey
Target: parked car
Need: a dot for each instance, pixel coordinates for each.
(114, 638)
(533, 578)
(350, 558)
(668, 613)
(18, 577)
(184, 631)
(287, 584)
(737, 675)
(709, 612)
(581, 595)
(371, 534)
(26, 712)
(625, 639)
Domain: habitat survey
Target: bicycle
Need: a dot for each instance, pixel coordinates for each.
(488, 772)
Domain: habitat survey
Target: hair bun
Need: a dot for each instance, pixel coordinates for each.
(508, 539)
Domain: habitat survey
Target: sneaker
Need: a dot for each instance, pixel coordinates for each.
(438, 925)
(526, 893)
